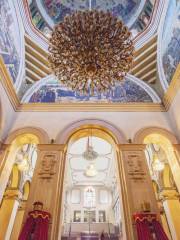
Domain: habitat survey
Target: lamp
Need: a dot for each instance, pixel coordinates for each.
(157, 164)
(91, 171)
(89, 153)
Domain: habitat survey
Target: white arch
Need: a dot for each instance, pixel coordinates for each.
(63, 136)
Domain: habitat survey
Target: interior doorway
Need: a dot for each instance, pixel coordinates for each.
(92, 202)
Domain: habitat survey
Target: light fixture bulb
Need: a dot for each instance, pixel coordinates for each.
(91, 171)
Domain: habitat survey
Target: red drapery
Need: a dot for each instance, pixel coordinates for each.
(36, 226)
(148, 227)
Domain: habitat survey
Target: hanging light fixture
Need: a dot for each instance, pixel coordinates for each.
(90, 51)
(89, 154)
(157, 164)
(91, 171)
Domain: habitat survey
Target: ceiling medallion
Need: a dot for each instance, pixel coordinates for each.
(90, 51)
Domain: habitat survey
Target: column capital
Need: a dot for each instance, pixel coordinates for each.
(51, 147)
(169, 194)
(13, 194)
(131, 147)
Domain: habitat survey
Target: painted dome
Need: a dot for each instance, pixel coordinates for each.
(57, 9)
(135, 14)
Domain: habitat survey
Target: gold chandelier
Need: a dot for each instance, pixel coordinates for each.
(90, 51)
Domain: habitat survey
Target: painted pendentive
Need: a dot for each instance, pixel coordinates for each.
(9, 39)
(171, 40)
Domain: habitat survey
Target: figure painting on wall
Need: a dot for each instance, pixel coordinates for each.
(8, 40)
(171, 37)
(124, 92)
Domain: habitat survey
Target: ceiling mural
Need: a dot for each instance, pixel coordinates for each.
(171, 40)
(52, 92)
(57, 9)
(9, 39)
(135, 13)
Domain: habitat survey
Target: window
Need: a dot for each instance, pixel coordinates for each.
(102, 216)
(89, 197)
(77, 216)
(90, 216)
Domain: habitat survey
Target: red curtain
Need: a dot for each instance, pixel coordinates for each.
(36, 226)
(160, 234)
(143, 231)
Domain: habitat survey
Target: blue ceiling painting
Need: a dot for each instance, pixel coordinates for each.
(57, 9)
(127, 91)
(171, 40)
(9, 39)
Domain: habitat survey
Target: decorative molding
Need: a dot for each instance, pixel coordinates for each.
(172, 90)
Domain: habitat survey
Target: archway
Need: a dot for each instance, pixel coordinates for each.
(79, 139)
(163, 166)
(18, 169)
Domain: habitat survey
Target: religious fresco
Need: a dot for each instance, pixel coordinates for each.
(143, 19)
(9, 39)
(57, 9)
(171, 40)
(126, 91)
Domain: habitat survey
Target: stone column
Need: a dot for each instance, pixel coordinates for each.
(175, 166)
(8, 212)
(171, 204)
(47, 184)
(18, 220)
(138, 183)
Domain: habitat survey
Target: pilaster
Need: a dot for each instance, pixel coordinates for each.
(47, 183)
(139, 187)
(8, 211)
(170, 200)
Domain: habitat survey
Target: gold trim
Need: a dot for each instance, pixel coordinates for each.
(173, 89)
(88, 107)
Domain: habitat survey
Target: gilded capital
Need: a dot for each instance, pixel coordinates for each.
(13, 194)
(169, 194)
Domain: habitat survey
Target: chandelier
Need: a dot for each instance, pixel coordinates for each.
(91, 171)
(89, 154)
(90, 51)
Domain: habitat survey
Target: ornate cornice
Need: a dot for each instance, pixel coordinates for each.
(169, 194)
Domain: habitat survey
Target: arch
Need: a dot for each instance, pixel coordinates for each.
(114, 132)
(142, 133)
(39, 133)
